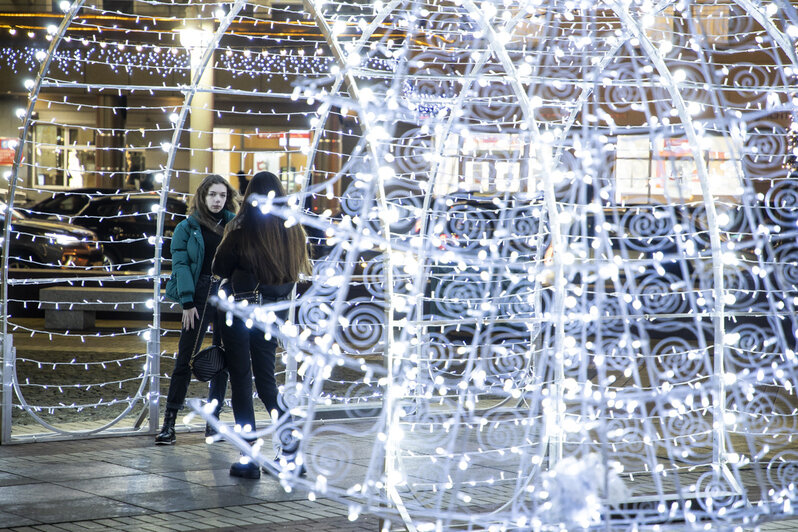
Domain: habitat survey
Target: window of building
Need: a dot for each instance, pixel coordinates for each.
(488, 163)
(712, 19)
(666, 168)
(283, 153)
(63, 156)
(123, 6)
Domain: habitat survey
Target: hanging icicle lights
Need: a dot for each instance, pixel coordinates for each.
(558, 241)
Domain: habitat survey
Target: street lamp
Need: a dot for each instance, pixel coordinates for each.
(195, 40)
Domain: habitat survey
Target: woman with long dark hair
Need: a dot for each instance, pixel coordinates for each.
(193, 246)
(261, 259)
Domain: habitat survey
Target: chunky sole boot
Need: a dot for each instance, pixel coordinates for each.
(249, 470)
(301, 472)
(210, 432)
(166, 437)
(287, 463)
(167, 434)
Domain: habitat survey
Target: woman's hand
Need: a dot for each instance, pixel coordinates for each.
(189, 316)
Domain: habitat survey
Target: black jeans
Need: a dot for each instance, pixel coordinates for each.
(249, 353)
(181, 375)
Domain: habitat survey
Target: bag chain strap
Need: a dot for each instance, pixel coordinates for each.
(202, 319)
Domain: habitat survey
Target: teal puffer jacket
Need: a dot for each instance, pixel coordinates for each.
(188, 251)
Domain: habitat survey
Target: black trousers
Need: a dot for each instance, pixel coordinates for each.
(181, 375)
(250, 354)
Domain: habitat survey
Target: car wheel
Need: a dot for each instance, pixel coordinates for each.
(110, 261)
(20, 263)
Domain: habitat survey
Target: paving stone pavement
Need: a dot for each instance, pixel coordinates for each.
(128, 484)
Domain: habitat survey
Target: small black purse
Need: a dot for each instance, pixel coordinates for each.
(207, 363)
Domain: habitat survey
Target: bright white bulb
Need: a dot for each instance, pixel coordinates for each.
(353, 59)
(338, 28)
(366, 94)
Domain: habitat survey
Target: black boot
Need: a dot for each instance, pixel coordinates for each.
(167, 434)
(245, 469)
(210, 431)
(288, 457)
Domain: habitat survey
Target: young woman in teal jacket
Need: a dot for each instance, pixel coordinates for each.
(194, 244)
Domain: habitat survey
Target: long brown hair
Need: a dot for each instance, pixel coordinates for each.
(276, 254)
(199, 207)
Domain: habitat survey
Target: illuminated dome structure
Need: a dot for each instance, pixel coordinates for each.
(556, 280)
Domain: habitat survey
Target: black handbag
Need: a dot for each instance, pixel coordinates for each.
(207, 363)
(250, 296)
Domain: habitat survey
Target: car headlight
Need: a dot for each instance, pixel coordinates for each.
(63, 240)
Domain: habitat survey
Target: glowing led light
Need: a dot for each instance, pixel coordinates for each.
(338, 28)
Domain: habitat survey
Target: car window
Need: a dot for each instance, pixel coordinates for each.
(138, 207)
(105, 208)
(175, 213)
(64, 204)
(175, 207)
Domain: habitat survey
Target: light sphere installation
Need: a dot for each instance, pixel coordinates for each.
(555, 286)
(557, 215)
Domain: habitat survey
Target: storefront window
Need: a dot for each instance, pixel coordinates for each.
(282, 153)
(485, 163)
(666, 168)
(63, 156)
(712, 19)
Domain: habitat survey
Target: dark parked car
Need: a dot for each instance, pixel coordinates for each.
(66, 203)
(127, 223)
(48, 243)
